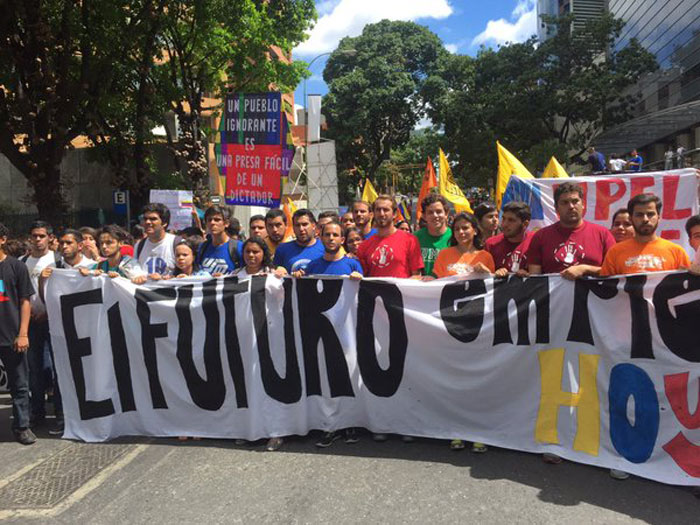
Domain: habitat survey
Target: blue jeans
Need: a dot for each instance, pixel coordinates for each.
(18, 378)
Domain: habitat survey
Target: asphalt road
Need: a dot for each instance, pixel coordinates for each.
(211, 481)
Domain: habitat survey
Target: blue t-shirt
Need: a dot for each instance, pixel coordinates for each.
(344, 266)
(217, 259)
(373, 231)
(293, 256)
(637, 159)
(597, 160)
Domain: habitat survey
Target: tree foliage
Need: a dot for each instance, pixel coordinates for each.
(111, 70)
(539, 100)
(375, 96)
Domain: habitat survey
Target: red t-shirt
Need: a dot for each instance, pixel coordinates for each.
(397, 255)
(555, 248)
(509, 255)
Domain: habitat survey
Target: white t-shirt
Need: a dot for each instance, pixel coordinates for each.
(35, 265)
(242, 273)
(157, 257)
(617, 164)
(85, 262)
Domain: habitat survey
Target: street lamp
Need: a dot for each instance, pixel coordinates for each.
(347, 52)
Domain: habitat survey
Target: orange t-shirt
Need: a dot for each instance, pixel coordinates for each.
(631, 256)
(450, 261)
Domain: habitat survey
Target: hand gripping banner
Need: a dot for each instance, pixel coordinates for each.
(600, 371)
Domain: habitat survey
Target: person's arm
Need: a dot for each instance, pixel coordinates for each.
(45, 274)
(580, 270)
(22, 339)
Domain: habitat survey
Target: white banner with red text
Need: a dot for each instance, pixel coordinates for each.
(599, 371)
(604, 195)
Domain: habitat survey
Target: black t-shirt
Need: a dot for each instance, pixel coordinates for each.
(14, 286)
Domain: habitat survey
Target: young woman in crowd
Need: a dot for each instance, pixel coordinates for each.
(353, 239)
(622, 225)
(487, 216)
(90, 249)
(466, 255)
(403, 225)
(185, 261)
(256, 259)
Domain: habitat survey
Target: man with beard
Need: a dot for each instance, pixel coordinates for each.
(362, 214)
(645, 252)
(509, 248)
(297, 254)
(276, 227)
(391, 252)
(571, 247)
(436, 235)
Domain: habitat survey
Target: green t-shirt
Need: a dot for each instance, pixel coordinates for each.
(430, 246)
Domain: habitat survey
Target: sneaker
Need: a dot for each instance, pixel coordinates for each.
(274, 444)
(26, 436)
(327, 439)
(351, 436)
(552, 459)
(457, 444)
(618, 474)
(479, 448)
(58, 427)
(408, 439)
(380, 438)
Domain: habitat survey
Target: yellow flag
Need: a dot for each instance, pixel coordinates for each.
(369, 194)
(449, 189)
(508, 165)
(554, 170)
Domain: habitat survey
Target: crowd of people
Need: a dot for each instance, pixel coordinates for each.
(367, 241)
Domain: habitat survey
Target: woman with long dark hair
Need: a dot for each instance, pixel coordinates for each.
(256, 258)
(465, 255)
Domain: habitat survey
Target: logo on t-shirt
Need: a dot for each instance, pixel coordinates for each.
(382, 256)
(213, 265)
(514, 260)
(3, 297)
(646, 262)
(569, 253)
(156, 265)
(460, 268)
(300, 264)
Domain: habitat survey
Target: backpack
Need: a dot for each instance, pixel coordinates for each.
(232, 251)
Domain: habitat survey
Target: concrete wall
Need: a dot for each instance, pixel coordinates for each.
(87, 185)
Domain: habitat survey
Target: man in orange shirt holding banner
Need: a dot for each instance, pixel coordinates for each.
(645, 252)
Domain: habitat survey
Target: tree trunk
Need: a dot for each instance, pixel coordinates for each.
(48, 197)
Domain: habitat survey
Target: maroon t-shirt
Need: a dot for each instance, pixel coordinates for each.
(509, 255)
(555, 248)
(397, 255)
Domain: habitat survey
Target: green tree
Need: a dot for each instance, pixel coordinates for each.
(375, 96)
(111, 71)
(537, 99)
(56, 63)
(211, 47)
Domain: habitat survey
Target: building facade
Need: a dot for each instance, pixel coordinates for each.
(668, 112)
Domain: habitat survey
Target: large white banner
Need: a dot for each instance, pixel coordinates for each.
(601, 371)
(604, 195)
